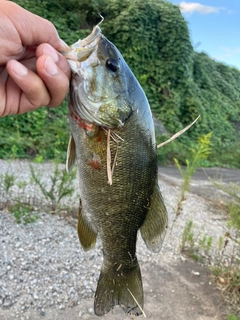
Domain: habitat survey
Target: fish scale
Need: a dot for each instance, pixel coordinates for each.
(104, 95)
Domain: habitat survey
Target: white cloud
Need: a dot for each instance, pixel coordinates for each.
(190, 7)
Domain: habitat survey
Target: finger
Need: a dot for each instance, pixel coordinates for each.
(12, 97)
(54, 78)
(55, 72)
(29, 63)
(59, 59)
(3, 90)
(35, 93)
(33, 30)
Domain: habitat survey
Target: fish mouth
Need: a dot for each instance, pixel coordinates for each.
(82, 49)
(89, 98)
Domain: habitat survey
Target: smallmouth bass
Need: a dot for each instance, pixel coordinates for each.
(113, 144)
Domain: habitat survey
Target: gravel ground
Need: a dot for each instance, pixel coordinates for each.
(42, 264)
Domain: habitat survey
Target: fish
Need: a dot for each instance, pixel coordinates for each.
(113, 144)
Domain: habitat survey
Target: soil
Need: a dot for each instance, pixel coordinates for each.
(181, 292)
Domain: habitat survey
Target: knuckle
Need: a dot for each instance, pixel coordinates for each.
(38, 96)
(64, 66)
(57, 97)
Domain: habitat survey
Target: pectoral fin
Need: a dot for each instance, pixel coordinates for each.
(71, 155)
(86, 233)
(155, 224)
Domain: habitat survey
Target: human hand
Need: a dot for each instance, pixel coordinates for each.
(32, 71)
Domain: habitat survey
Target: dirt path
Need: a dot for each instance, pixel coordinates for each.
(181, 292)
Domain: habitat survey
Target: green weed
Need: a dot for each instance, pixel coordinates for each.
(188, 236)
(233, 317)
(60, 188)
(199, 153)
(7, 181)
(206, 244)
(228, 281)
(23, 213)
(233, 209)
(16, 204)
(24, 206)
(195, 247)
(226, 276)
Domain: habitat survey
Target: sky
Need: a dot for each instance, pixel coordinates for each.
(214, 27)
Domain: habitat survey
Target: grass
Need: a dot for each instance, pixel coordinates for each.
(227, 279)
(24, 206)
(61, 186)
(23, 213)
(233, 317)
(195, 246)
(7, 181)
(225, 273)
(198, 154)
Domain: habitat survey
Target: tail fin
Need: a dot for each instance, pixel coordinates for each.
(118, 288)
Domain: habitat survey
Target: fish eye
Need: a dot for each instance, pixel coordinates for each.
(112, 65)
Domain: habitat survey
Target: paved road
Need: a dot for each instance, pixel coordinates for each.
(203, 174)
(202, 180)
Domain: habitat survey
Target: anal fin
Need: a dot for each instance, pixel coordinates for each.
(155, 224)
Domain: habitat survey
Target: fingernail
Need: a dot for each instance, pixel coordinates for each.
(49, 51)
(64, 45)
(20, 69)
(50, 67)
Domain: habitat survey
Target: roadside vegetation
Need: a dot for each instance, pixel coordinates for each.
(204, 248)
(224, 269)
(24, 199)
(198, 156)
(179, 82)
